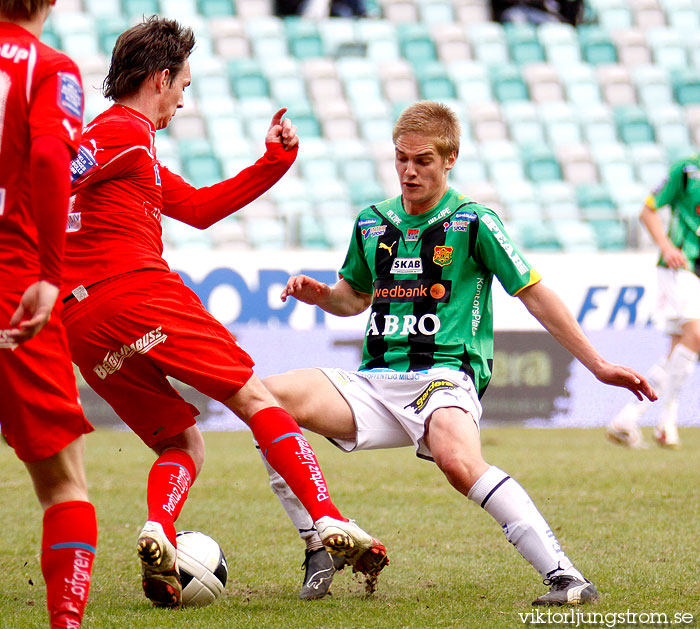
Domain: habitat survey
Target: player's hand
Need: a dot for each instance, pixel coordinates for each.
(37, 303)
(674, 258)
(620, 376)
(282, 131)
(305, 289)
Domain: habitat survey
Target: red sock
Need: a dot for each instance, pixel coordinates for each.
(169, 482)
(290, 454)
(67, 551)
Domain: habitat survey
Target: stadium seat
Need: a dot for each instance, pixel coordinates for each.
(648, 14)
(311, 233)
(380, 39)
(535, 235)
(595, 202)
(201, 169)
(523, 44)
(650, 163)
(560, 123)
(597, 122)
(451, 42)
(682, 15)
(247, 79)
(560, 43)
(215, 8)
(577, 164)
(543, 82)
(653, 84)
(614, 14)
(633, 125)
(686, 86)
(469, 168)
(488, 43)
(400, 11)
(471, 80)
(614, 164)
(182, 236)
(229, 37)
(398, 81)
(558, 200)
(139, 8)
(596, 46)
(507, 83)
(472, 11)
(540, 164)
(519, 200)
(415, 43)
(668, 48)
(580, 84)
(267, 233)
(486, 122)
(612, 235)
(616, 85)
(434, 83)
(435, 11)
(632, 48)
(524, 125)
(575, 235)
(503, 161)
(303, 38)
(670, 126)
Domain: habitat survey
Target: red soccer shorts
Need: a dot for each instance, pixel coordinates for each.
(41, 413)
(133, 331)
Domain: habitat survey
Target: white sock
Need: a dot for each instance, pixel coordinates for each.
(295, 510)
(680, 366)
(508, 503)
(630, 414)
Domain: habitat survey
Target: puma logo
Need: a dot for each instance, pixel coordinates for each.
(387, 247)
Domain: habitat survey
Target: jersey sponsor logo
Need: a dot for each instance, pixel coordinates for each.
(366, 221)
(383, 245)
(443, 213)
(426, 325)
(407, 265)
(74, 222)
(442, 255)
(113, 361)
(437, 385)
(14, 52)
(507, 246)
(457, 226)
(152, 211)
(157, 172)
(393, 217)
(374, 232)
(82, 163)
(70, 94)
(476, 305)
(465, 216)
(387, 291)
(5, 341)
(412, 235)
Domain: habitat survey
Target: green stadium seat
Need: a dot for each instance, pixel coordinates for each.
(311, 232)
(201, 169)
(633, 126)
(536, 235)
(612, 235)
(596, 45)
(415, 44)
(560, 43)
(540, 164)
(247, 79)
(507, 83)
(365, 193)
(595, 202)
(686, 86)
(138, 8)
(108, 29)
(215, 8)
(434, 83)
(575, 235)
(303, 38)
(523, 44)
(488, 42)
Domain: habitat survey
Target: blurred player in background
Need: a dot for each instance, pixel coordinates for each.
(41, 117)
(132, 322)
(678, 307)
(423, 262)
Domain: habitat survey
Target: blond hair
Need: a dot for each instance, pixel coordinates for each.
(434, 120)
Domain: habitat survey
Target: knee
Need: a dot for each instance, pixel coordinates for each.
(190, 441)
(460, 471)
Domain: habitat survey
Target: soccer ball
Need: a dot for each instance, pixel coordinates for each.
(203, 568)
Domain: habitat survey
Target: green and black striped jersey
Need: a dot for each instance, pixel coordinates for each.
(430, 279)
(681, 191)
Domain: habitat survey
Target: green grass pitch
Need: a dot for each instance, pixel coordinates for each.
(628, 519)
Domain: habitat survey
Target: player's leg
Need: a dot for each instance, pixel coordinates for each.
(453, 438)
(291, 455)
(172, 474)
(332, 419)
(623, 429)
(680, 365)
(69, 536)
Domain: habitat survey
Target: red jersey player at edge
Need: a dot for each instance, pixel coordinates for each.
(41, 116)
(131, 321)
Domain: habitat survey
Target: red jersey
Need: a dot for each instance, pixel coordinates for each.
(40, 95)
(122, 190)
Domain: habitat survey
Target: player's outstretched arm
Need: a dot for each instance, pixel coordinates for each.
(37, 303)
(341, 300)
(546, 306)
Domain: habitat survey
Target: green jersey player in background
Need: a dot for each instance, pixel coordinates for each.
(678, 307)
(424, 264)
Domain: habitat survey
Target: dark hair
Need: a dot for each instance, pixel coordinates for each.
(154, 45)
(22, 9)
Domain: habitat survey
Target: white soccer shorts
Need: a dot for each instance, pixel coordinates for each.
(678, 299)
(390, 408)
